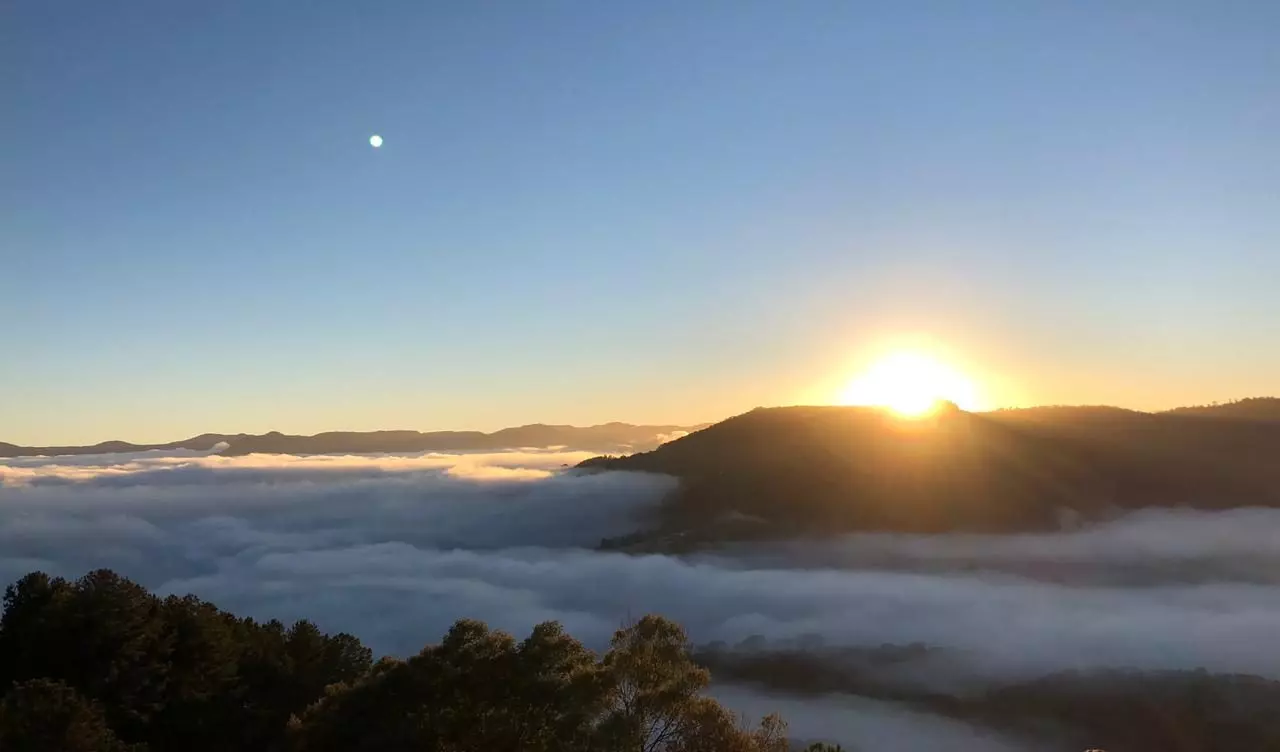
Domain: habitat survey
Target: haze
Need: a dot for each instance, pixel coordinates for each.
(396, 548)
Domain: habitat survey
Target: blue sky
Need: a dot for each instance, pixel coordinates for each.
(659, 211)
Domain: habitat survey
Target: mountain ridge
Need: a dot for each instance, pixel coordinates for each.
(612, 436)
(603, 437)
(798, 471)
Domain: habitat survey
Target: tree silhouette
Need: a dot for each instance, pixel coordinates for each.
(42, 715)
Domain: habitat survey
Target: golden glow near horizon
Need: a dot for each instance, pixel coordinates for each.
(911, 384)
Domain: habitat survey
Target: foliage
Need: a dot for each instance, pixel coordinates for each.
(42, 715)
(480, 690)
(102, 665)
(654, 702)
(174, 673)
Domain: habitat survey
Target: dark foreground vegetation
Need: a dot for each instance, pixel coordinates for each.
(102, 665)
(780, 472)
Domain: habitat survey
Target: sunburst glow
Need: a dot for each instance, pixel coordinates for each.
(911, 384)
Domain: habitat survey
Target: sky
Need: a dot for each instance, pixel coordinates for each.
(653, 212)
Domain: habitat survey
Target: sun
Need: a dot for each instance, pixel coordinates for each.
(912, 384)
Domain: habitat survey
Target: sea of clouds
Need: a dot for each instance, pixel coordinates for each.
(396, 548)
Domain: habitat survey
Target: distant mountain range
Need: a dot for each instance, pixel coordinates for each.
(608, 438)
(781, 472)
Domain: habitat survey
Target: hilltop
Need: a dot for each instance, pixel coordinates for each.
(1250, 408)
(776, 472)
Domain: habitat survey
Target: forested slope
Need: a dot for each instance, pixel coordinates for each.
(831, 469)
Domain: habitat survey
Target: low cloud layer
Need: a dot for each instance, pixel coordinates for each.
(861, 724)
(1145, 547)
(395, 548)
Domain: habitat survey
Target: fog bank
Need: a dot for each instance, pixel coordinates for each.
(396, 548)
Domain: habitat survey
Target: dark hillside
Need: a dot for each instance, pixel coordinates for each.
(1252, 408)
(807, 469)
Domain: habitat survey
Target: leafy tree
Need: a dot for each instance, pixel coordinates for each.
(42, 715)
(29, 626)
(102, 665)
(480, 690)
(477, 690)
(654, 686)
(203, 678)
(655, 699)
(557, 690)
(315, 660)
(103, 635)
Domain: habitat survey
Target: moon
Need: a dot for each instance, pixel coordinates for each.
(375, 141)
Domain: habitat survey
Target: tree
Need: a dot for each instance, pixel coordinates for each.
(382, 711)
(102, 635)
(655, 700)
(316, 660)
(558, 690)
(199, 710)
(43, 715)
(654, 683)
(477, 690)
(30, 625)
(102, 665)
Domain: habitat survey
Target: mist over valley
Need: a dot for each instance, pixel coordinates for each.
(395, 547)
